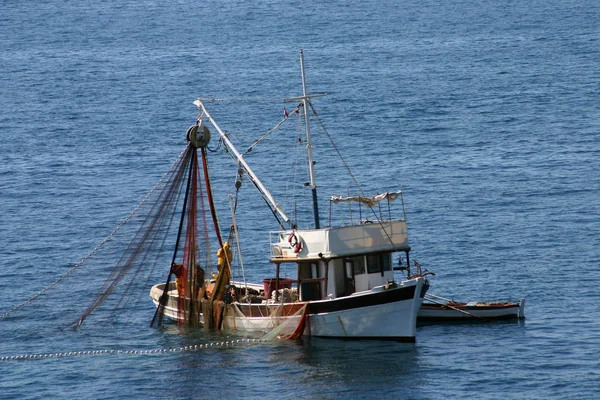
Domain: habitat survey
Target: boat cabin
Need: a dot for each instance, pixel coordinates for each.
(339, 261)
(343, 276)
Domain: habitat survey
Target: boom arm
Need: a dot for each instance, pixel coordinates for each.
(198, 103)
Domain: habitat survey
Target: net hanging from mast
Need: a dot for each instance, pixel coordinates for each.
(182, 198)
(139, 259)
(193, 297)
(186, 198)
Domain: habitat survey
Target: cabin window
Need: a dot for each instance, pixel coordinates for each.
(308, 270)
(373, 263)
(309, 290)
(379, 263)
(359, 265)
(386, 262)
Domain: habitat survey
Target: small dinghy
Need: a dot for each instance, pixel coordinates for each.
(440, 309)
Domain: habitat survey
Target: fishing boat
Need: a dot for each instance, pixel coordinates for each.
(342, 282)
(440, 309)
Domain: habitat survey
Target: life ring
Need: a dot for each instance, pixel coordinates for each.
(295, 241)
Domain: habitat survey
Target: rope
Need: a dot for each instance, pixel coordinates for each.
(229, 343)
(219, 144)
(263, 137)
(237, 162)
(439, 297)
(62, 277)
(350, 172)
(458, 309)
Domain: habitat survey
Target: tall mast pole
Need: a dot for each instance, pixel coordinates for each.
(311, 166)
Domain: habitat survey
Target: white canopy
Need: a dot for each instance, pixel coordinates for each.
(368, 201)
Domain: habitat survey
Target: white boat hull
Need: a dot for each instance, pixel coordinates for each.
(390, 320)
(384, 312)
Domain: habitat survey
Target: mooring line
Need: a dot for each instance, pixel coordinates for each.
(228, 343)
(63, 276)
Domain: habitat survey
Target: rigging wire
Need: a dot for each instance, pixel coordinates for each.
(233, 100)
(236, 161)
(350, 172)
(233, 204)
(294, 163)
(151, 225)
(99, 246)
(263, 137)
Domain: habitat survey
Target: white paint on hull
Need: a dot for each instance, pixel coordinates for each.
(389, 320)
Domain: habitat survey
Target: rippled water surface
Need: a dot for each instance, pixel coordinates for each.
(486, 114)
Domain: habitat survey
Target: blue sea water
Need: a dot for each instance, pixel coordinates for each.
(486, 114)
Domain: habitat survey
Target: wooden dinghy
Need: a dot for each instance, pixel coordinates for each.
(436, 308)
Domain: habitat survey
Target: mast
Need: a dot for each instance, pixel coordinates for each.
(305, 98)
(311, 163)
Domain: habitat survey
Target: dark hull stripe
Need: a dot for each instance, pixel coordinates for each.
(373, 299)
(328, 306)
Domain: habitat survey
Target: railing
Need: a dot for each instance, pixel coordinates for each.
(358, 212)
(379, 236)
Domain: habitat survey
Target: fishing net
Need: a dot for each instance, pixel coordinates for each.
(175, 221)
(149, 239)
(276, 321)
(196, 304)
(292, 327)
(180, 202)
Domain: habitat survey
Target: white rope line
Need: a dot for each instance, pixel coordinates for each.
(229, 343)
(62, 277)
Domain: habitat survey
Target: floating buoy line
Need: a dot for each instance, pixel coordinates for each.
(169, 195)
(211, 345)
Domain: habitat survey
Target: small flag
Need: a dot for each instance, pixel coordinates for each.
(285, 112)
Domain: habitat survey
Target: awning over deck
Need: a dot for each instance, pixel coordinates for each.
(369, 201)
